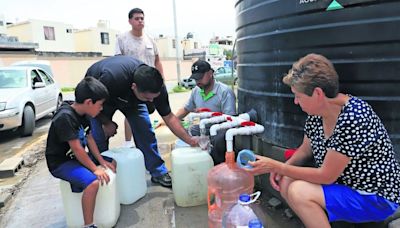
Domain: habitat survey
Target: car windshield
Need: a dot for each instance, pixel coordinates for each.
(13, 79)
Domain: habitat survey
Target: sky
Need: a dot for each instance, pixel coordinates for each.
(204, 18)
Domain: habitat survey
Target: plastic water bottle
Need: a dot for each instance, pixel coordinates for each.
(226, 182)
(242, 214)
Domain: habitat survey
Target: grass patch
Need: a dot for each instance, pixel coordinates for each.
(67, 89)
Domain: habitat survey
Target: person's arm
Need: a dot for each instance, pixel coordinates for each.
(118, 50)
(84, 159)
(174, 124)
(333, 165)
(302, 155)
(109, 126)
(158, 65)
(96, 153)
(182, 113)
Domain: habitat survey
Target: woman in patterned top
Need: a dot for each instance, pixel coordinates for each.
(356, 177)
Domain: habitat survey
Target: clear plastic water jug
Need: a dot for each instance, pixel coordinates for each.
(243, 213)
(226, 182)
(107, 207)
(131, 173)
(190, 166)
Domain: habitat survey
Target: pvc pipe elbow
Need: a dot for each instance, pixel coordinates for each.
(215, 119)
(200, 115)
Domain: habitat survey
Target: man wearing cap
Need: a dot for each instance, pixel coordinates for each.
(208, 93)
(130, 84)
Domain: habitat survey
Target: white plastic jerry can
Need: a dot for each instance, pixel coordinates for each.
(107, 207)
(190, 166)
(131, 173)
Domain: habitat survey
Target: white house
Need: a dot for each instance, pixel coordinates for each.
(49, 35)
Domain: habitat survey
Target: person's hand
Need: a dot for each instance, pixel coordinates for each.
(262, 165)
(110, 129)
(102, 176)
(108, 165)
(194, 141)
(274, 179)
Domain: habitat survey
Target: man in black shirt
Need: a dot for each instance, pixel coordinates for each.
(131, 84)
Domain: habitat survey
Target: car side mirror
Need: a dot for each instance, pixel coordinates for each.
(39, 85)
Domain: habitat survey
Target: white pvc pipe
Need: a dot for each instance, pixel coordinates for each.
(247, 130)
(200, 115)
(215, 119)
(236, 121)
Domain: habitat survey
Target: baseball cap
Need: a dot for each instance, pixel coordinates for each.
(199, 68)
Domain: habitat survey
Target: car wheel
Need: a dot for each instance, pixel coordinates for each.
(59, 102)
(28, 121)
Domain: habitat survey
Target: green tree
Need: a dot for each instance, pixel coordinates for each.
(228, 54)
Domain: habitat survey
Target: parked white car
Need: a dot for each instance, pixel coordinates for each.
(26, 94)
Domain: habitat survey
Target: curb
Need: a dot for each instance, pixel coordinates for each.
(23, 159)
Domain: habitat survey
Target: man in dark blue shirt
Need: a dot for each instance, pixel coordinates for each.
(131, 84)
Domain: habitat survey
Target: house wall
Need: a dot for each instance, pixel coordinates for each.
(69, 70)
(89, 40)
(33, 31)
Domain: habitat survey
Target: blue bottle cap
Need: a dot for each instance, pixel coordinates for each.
(255, 223)
(244, 157)
(244, 198)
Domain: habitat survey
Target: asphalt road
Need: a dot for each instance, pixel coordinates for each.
(11, 143)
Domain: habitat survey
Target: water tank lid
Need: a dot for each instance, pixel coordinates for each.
(244, 198)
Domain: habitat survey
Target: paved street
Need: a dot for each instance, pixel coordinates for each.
(38, 203)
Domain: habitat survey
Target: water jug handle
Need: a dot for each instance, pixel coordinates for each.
(254, 197)
(211, 207)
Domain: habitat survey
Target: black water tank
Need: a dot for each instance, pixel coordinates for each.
(362, 39)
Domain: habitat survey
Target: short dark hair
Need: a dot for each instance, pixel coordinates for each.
(148, 79)
(133, 11)
(90, 88)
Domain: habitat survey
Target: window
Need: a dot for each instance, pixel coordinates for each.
(1, 23)
(173, 43)
(35, 77)
(105, 39)
(49, 33)
(69, 30)
(47, 79)
(196, 45)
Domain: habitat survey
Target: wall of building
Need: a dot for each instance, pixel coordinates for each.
(69, 70)
(33, 31)
(3, 27)
(23, 31)
(89, 40)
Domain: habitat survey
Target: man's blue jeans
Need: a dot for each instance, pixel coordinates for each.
(142, 132)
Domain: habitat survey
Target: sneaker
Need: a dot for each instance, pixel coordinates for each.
(163, 180)
(90, 226)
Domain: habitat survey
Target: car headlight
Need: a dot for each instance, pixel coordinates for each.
(2, 106)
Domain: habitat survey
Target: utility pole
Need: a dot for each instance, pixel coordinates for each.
(178, 62)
